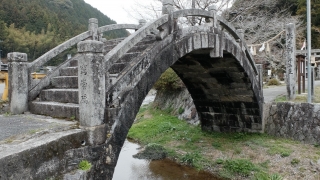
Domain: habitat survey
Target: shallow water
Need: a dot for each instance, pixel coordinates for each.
(129, 168)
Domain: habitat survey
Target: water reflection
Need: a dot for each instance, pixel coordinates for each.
(129, 168)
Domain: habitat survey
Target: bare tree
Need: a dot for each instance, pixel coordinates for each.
(262, 22)
(152, 9)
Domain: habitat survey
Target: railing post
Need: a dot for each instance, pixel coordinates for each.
(92, 90)
(260, 71)
(142, 22)
(93, 28)
(167, 6)
(291, 61)
(214, 11)
(167, 28)
(241, 33)
(18, 82)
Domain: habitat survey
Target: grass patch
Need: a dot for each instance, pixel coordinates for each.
(227, 153)
(7, 114)
(243, 167)
(193, 159)
(265, 176)
(217, 145)
(295, 161)
(85, 165)
(301, 98)
(181, 110)
(278, 149)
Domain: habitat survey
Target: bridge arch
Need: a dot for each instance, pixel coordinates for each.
(212, 60)
(216, 70)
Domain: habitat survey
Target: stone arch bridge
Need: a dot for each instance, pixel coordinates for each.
(104, 85)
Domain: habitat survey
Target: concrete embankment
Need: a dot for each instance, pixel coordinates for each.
(38, 147)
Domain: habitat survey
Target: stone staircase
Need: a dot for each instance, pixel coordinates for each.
(61, 99)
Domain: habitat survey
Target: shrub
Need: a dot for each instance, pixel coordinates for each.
(273, 82)
(169, 80)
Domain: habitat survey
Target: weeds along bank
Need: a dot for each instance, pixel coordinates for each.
(229, 156)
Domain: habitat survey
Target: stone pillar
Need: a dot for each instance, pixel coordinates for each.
(93, 28)
(167, 6)
(18, 82)
(92, 90)
(241, 33)
(291, 61)
(318, 73)
(142, 22)
(214, 11)
(260, 71)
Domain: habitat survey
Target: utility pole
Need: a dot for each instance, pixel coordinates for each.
(0, 54)
(309, 48)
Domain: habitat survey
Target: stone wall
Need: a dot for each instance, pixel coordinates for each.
(298, 121)
(180, 103)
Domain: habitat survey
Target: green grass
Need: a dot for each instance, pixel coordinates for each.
(181, 110)
(301, 98)
(278, 149)
(243, 167)
(281, 98)
(295, 161)
(85, 165)
(188, 144)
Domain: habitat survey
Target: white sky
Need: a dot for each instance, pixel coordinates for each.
(116, 9)
(122, 11)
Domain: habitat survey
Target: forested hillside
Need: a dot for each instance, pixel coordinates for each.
(36, 26)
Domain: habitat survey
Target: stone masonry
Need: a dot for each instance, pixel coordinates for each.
(298, 121)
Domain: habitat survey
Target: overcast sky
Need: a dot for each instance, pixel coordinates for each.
(117, 10)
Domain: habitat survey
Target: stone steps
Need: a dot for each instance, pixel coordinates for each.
(65, 82)
(62, 100)
(55, 109)
(60, 95)
(74, 63)
(117, 68)
(69, 71)
(128, 57)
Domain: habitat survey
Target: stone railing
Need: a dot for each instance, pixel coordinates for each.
(94, 32)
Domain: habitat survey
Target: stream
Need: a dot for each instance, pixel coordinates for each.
(129, 168)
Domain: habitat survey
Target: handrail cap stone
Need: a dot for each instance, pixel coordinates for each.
(90, 46)
(167, 2)
(17, 57)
